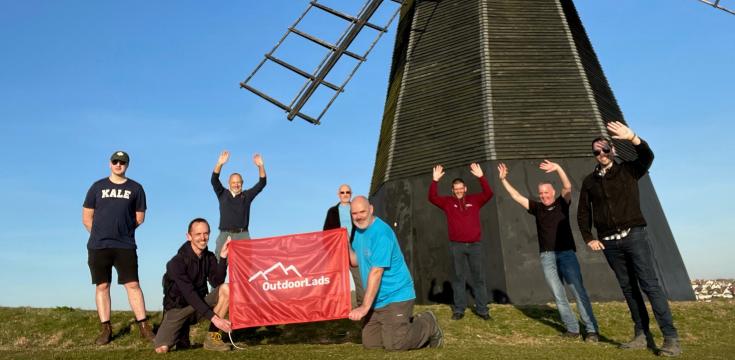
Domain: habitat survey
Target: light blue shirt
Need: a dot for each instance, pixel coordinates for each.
(345, 218)
(377, 246)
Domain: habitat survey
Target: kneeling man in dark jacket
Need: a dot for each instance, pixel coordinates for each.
(186, 298)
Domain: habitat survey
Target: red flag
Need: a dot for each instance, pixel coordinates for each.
(289, 279)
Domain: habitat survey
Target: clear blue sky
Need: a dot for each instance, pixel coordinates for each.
(80, 79)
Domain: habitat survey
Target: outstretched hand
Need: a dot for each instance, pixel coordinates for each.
(548, 166)
(502, 171)
(438, 172)
(476, 170)
(258, 160)
(223, 157)
(619, 131)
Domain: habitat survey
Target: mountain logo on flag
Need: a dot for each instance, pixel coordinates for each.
(264, 274)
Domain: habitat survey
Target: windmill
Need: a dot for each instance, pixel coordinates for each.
(488, 81)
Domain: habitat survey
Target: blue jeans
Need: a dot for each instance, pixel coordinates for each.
(468, 253)
(562, 267)
(632, 261)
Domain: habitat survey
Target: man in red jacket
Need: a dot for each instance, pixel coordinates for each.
(465, 231)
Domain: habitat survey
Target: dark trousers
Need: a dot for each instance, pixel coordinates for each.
(632, 261)
(464, 254)
(393, 327)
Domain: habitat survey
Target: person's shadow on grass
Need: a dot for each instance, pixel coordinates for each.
(549, 316)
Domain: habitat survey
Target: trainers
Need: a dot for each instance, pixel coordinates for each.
(569, 334)
(638, 342)
(437, 339)
(105, 334)
(146, 331)
(592, 337)
(483, 316)
(457, 316)
(214, 342)
(670, 347)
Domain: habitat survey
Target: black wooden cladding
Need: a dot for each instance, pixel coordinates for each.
(479, 80)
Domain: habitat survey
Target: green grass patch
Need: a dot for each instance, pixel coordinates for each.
(707, 331)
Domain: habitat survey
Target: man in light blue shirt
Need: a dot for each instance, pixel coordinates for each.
(387, 307)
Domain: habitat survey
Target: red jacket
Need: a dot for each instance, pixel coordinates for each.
(463, 215)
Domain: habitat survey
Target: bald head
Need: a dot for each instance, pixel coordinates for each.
(235, 183)
(344, 194)
(362, 212)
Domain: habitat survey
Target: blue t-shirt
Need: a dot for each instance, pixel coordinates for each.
(115, 205)
(377, 246)
(345, 218)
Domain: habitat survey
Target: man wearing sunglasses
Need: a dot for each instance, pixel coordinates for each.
(113, 208)
(609, 199)
(339, 216)
(234, 204)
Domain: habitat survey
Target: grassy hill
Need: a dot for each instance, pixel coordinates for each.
(707, 331)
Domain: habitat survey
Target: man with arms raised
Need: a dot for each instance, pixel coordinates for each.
(556, 244)
(113, 208)
(186, 299)
(339, 216)
(234, 204)
(609, 199)
(387, 308)
(465, 232)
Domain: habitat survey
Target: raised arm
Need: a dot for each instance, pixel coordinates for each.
(487, 192)
(258, 160)
(502, 175)
(645, 156)
(223, 158)
(566, 185)
(437, 174)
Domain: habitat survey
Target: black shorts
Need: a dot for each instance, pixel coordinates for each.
(101, 261)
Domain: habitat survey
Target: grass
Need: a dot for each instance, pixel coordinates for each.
(707, 331)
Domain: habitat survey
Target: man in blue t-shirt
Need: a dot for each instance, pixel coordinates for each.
(387, 308)
(114, 207)
(339, 216)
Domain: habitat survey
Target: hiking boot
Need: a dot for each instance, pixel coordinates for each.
(146, 331)
(570, 335)
(437, 338)
(639, 341)
(457, 316)
(105, 334)
(592, 337)
(670, 347)
(214, 342)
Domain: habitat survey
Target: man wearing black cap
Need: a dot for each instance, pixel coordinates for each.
(114, 207)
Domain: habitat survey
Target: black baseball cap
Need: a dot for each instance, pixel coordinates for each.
(120, 155)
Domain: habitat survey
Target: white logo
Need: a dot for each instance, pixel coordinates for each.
(264, 274)
(287, 284)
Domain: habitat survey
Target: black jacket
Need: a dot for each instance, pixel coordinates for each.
(332, 221)
(612, 201)
(234, 212)
(185, 280)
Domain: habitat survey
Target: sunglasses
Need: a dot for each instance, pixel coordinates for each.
(345, 192)
(115, 162)
(605, 150)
